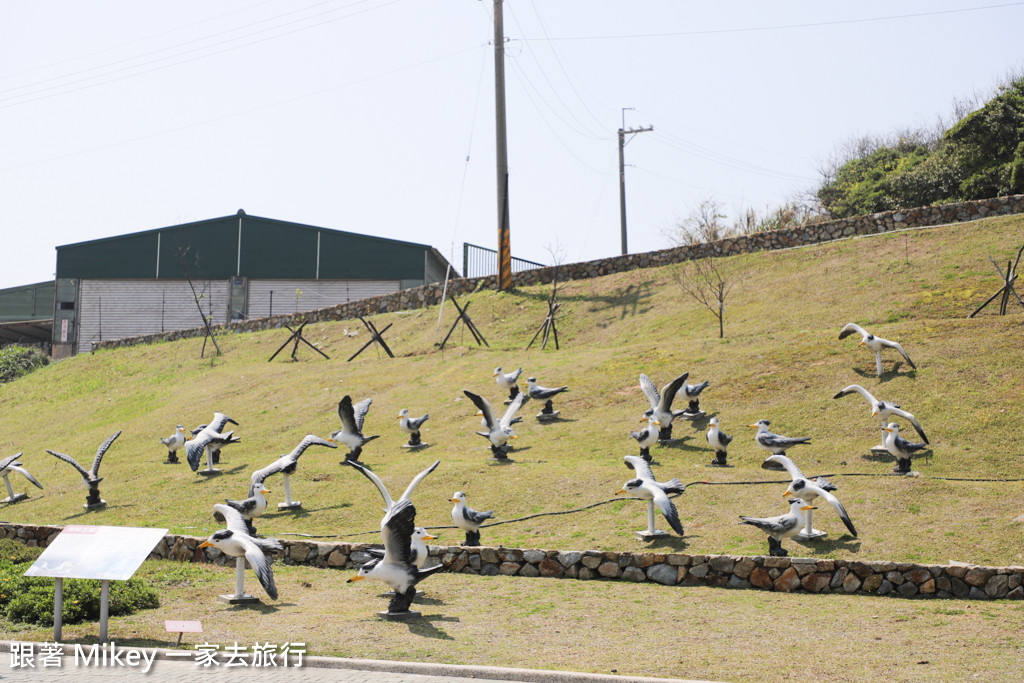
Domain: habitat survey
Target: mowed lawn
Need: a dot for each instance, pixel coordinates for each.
(780, 360)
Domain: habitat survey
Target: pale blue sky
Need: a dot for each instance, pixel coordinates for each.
(359, 115)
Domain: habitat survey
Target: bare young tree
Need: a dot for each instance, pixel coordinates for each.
(708, 280)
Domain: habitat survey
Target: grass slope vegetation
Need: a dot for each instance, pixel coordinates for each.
(781, 360)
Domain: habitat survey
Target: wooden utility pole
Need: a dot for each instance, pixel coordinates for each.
(623, 132)
(504, 248)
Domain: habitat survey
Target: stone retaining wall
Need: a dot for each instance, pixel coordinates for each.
(782, 574)
(429, 295)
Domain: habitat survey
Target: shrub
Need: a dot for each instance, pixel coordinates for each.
(16, 361)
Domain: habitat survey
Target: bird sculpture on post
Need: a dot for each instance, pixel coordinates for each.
(287, 465)
(691, 392)
(656, 493)
(250, 508)
(808, 490)
(900, 448)
(647, 437)
(351, 432)
(209, 438)
(508, 380)
(783, 526)
(91, 477)
(235, 541)
(498, 431)
(412, 426)
(174, 442)
(468, 519)
(545, 394)
(883, 410)
(9, 465)
(397, 568)
(875, 344)
(661, 403)
(775, 443)
(220, 421)
(718, 440)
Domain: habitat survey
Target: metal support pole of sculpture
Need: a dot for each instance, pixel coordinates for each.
(288, 502)
(240, 597)
(651, 531)
(12, 497)
(809, 533)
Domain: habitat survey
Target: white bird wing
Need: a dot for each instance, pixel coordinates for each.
(233, 520)
(790, 466)
(650, 391)
(388, 502)
(416, 480)
(484, 406)
(669, 391)
(71, 461)
(310, 440)
(668, 510)
(101, 451)
(8, 460)
(396, 531)
(852, 328)
(260, 564)
(359, 411)
(898, 347)
(346, 414)
(513, 408)
(911, 419)
(641, 466)
(834, 502)
(259, 476)
(25, 473)
(860, 390)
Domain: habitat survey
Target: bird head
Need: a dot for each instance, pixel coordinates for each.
(713, 422)
(630, 486)
(760, 425)
(497, 371)
(459, 497)
(402, 413)
(421, 534)
(365, 570)
(795, 488)
(892, 428)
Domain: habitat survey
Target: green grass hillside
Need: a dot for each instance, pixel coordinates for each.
(781, 360)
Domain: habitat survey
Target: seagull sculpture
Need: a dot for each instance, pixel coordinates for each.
(174, 442)
(644, 487)
(775, 443)
(234, 541)
(883, 409)
(783, 526)
(351, 432)
(691, 392)
(647, 437)
(874, 343)
(468, 519)
(91, 477)
(397, 568)
(900, 448)
(253, 506)
(545, 394)
(411, 426)
(661, 403)
(287, 466)
(508, 380)
(720, 441)
(209, 437)
(808, 490)
(498, 431)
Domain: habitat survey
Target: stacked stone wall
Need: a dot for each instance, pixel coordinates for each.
(780, 574)
(430, 295)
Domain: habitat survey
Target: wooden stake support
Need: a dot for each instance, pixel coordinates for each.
(375, 336)
(465, 319)
(1008, 277)
(296, 338)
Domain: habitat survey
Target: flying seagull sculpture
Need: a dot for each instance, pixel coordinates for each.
(351, 432)
(91, 477)
(235, 541)
(875, 344)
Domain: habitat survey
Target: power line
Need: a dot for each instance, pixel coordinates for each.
(780, 27)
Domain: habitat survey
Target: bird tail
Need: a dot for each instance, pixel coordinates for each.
(269, 545)
(673, 486)
(367, 439)
(825, 484)
(424, 573)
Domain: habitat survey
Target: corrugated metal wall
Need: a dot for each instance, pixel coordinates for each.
(315, 294)
(113, 309)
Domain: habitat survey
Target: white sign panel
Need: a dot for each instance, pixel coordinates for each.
(96, 552)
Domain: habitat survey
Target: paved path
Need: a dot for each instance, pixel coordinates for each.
(313, 670)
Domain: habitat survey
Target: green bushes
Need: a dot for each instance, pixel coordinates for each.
(29, 600)
(16, 361)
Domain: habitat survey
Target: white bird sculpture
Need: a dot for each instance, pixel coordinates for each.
(874, 343)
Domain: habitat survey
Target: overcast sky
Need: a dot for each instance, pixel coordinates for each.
(377, 116)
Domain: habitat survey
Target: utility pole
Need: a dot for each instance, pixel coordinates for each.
(504, 249)
(623, 132)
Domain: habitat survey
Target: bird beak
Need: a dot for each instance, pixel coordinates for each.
(205, 544)
(863, 343)
(754, 426)
(787, 493)
(454, 500)
(643, 419)
(620, 491)
(513, 436)
(332, 440)
(808, 507)
(656, 423)
(355, 578)
(429, 537)
(479, 412)
(265, 491)
(886, 429)
(874, 412)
